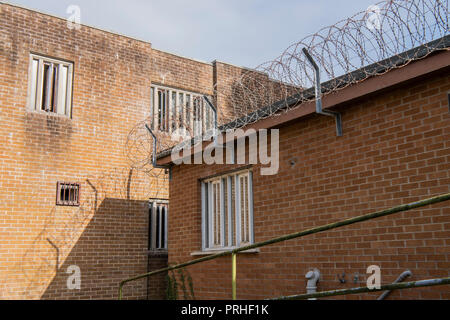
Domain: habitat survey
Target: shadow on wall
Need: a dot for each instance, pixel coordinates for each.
(105, 238)
(247, 91)
(111, 248)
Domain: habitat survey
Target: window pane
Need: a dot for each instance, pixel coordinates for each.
(162, 110)
(216, 213)
(174, 110)
(62, 90)
(54, 88)
(180, 109)
(34, 82)
(188, 111)
(152, 107)
(233, 211)
(50, 85)
(207, 120)
(158, 222)
(245, 236)
(45, 87)
(163, 228)
(196, 112)
(227, 206)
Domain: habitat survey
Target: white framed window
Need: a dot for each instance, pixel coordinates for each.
(158, 215)
(227, 211)
(172, 109)
(50, 85)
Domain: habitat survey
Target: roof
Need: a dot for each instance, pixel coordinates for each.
(359, 75)
(343, 81)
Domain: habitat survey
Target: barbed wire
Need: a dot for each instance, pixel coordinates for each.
(384, 31)
(369, 43)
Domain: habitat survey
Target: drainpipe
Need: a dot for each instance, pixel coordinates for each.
(318, 88)
(154, 162)
(312, 277)
(401, 278)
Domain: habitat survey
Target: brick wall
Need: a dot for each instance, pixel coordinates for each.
(240, 91)
(107, 235)
(157, 284)
(182, 73)
(395, 150)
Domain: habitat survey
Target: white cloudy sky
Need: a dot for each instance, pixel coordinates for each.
(241, 32)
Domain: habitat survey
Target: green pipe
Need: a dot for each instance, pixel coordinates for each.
(330, 226)
(394, 286)
(233, 275)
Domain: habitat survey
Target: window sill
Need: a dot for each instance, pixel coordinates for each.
(212, 252)
(157, 252)
(49, 114)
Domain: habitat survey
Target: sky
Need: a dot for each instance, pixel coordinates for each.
(240, 32)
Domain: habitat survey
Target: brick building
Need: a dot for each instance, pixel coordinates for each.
(395, 150)
(69, 197)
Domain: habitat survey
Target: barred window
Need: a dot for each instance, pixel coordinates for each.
(67, 194)
(157, 237)
(50, 85)
(172, 109)
(227, 211)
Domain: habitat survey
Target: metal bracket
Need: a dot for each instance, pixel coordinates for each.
(318, 89)
(214, 109)
(216, 125)
(154, 162)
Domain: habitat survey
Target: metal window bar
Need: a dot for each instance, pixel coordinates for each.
(67, 194)
(50, 85)
(335, 225)
(158, 225)
(227, 211)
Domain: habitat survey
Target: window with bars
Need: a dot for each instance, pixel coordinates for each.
(173, 109)
(67, 194)
(227, 211)
(50, 85)
(157, 236)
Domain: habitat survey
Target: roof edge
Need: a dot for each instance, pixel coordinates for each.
(65, 19)
(395, 62)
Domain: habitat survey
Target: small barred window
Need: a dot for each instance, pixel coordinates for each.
(68, 194)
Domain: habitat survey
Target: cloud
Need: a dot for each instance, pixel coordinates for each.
(242, 32)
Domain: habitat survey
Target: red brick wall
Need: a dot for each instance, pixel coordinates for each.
(240, 91)
(107, 235)
(182, 73)
(395, 150)
(157, 284)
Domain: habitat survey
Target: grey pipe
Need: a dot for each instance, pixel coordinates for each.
(401, 278)
(154, 153)
(313, 277)
(318, 90)
(216, 122)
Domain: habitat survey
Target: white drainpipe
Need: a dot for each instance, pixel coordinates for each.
(312, 277)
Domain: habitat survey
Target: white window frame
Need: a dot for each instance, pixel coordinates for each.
(230, 214)
(179, 109)
(158, 209)
(63, 84)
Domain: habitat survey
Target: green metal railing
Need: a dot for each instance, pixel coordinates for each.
(300, 234)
